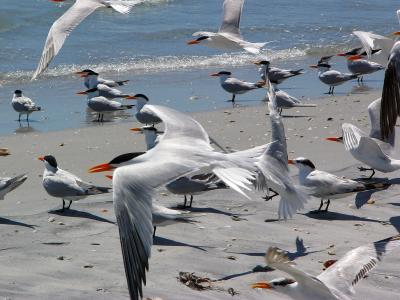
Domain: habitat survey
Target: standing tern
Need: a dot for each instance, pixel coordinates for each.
(286, 101)
(92, 79)
(184, 148)
(141, 115)
(23, 105)
(61, 28)
(276, 75)
(102, 105)
(330, 77)
(235, 86)
(105, 91)
(277, 178)
(62, 184)
(359, 66)
(327, 186)
(370, 149)
(336, 282)
(8, 184)
(228, 36)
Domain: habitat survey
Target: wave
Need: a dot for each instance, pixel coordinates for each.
(147, 64)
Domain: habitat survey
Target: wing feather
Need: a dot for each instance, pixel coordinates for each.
(232, 12)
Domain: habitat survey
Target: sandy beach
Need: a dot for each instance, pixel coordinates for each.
(76, 254)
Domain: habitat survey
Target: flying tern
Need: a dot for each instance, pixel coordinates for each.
(336, 282)
(8, 184)
(184, 148)
(62, 184)
(277, 178)
(370, 149)
(23, 105)
(92, 79)
(62, 27)
(327, 186)
(228, 36)
(235, 86)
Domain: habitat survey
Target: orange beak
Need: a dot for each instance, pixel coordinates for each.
(82, 74)
(130, 97)
(341, 54)
(396, 33)
(109, 177)
(101, 168)
(261, 285)
(41, 158)
(333, 139)
(214, 74)
(256, 62)
(137, 129)
(57, 0)
(81, 93)
(193, 42)
(354, 57)
(290, 162)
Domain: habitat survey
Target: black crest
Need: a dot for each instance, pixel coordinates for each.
(51, 160)
(125, 157)
(141, 95)
(224, 73)
(284, 282)
(204, 37)
(19, 92)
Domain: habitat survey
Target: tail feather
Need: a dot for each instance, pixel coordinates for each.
(297, 72)
(16, 181)
(122, 82)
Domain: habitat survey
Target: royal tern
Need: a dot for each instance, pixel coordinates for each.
(228, 36)
(276, 75)
(327, 186)
(8, 184)
(163, 216)
(336, 282)
(62, 27)
(102, 105)
(277, 179)
(92, 79)
(286, 101)
(62, 184)
(184, 148)
(330, 77)
(359, 66)
(370, 149)
(23, 105)
(140, 114)
(235, 86)
(104, 91)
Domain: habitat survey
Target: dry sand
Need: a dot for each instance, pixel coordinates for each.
(76, 255)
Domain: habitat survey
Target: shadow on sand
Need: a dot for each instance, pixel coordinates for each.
(4, 221)
(79, 214)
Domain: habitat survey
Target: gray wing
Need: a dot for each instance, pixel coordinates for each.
(62, 28)
(232, 11)
(356, 264)
(234, 85)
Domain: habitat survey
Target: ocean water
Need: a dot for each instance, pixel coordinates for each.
(149, 48)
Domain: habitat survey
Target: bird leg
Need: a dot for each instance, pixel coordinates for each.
(154, 232)
(333, 88)
(184, 202)
(362, 169)
(280, 111)
(267, 198)
(191, 200)
(19, 118)
(63, 208)
(327, 205)
(102, 117)
(319, 208)
(69, 205)
(233, 98)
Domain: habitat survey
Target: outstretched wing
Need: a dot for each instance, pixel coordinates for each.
(356, 264)
(62, 28)
(372, 41)
(232, 11)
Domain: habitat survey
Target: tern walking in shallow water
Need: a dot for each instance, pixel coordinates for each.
(23, 105)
